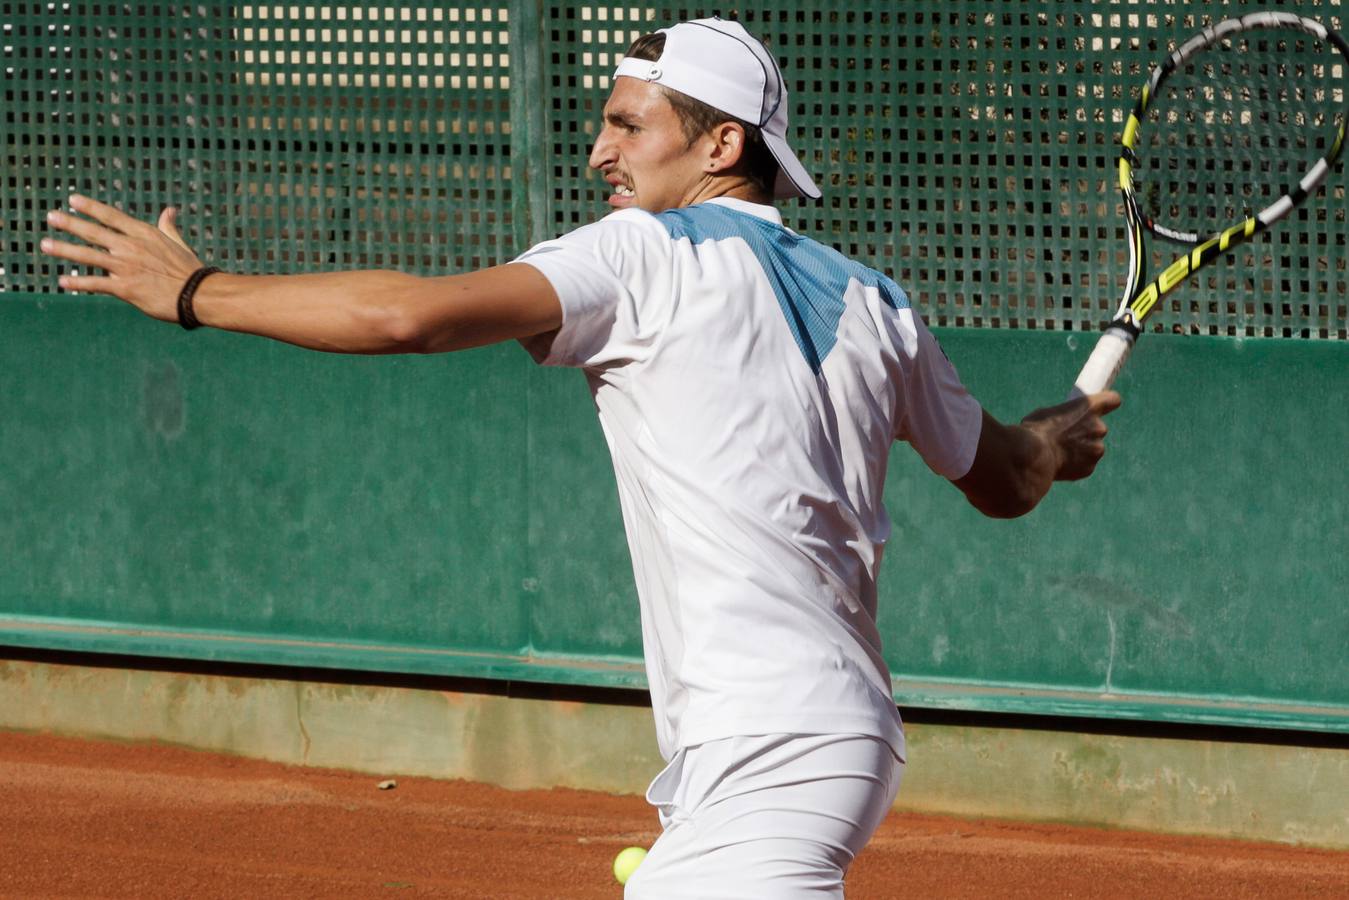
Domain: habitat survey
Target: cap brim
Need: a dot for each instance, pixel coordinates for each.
(793, 180)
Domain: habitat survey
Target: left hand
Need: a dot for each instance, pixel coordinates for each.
(146, 266)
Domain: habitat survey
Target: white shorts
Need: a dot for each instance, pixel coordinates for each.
(776, 816)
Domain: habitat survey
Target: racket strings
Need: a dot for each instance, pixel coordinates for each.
(1235, 128)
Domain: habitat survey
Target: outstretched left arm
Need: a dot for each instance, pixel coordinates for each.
(340, 312)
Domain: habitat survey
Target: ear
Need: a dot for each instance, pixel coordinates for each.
(726, 146)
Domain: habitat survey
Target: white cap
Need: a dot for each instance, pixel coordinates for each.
(726, 67)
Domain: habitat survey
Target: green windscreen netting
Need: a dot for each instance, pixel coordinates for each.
(966, 147)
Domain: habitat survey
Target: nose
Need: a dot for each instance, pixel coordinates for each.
(602, 153)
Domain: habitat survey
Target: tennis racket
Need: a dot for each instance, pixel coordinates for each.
(1247, 114)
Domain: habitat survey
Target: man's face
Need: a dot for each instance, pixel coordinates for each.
(642, 152)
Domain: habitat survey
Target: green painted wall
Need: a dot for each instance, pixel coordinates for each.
(220, 497)
(216, 497)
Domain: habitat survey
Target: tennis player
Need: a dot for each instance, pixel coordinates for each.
(749, 382)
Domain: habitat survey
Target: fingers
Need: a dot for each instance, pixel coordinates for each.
(76, 253)
(1104, 403)
(84, 256)
(168, 223)
(117, 223)
(1099, 404)
(144, 265)
(1081, 458)
(1078, 427)
(110, 216)
(92, 284)
(1077, 407)
(82, 228)
(1088, 444)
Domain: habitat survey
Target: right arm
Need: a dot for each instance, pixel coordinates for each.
(1015, 465)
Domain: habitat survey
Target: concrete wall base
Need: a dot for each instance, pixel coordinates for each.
(1273, 792)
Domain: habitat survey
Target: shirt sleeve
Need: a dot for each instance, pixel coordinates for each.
(939, 418)
(596, 272)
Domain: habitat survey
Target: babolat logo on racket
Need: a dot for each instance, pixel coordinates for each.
(1184, 266)
(1250, 110)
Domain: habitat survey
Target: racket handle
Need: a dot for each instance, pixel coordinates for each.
(1105, 361)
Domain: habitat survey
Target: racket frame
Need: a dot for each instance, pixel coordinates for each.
(1139, 298)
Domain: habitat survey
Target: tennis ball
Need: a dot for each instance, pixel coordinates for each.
(626, 862)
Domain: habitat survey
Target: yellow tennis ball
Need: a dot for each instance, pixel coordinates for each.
(626, 862)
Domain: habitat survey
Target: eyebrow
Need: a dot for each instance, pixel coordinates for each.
(619, 117)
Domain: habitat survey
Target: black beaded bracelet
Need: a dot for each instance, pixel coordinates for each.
(186, 317)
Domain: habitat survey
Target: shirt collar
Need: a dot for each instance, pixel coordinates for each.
(759, 210)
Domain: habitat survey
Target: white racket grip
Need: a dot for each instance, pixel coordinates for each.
(1104, 363)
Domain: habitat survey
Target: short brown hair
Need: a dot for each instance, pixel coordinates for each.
(697, 118)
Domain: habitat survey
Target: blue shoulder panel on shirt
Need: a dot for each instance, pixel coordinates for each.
(808, 278)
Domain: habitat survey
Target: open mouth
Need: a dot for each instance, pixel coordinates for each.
(622, 191)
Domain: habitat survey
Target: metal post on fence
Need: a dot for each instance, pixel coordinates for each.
(531, 199)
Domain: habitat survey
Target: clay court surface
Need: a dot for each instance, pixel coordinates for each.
(92, 819)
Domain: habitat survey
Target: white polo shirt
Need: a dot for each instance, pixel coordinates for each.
(750, 382)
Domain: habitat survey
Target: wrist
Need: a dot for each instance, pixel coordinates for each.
(187, 316)
(1043, 456)
(213, 299)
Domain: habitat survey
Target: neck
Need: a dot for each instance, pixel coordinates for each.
(736, 187)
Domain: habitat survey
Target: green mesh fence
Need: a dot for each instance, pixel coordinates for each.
(965, 147)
